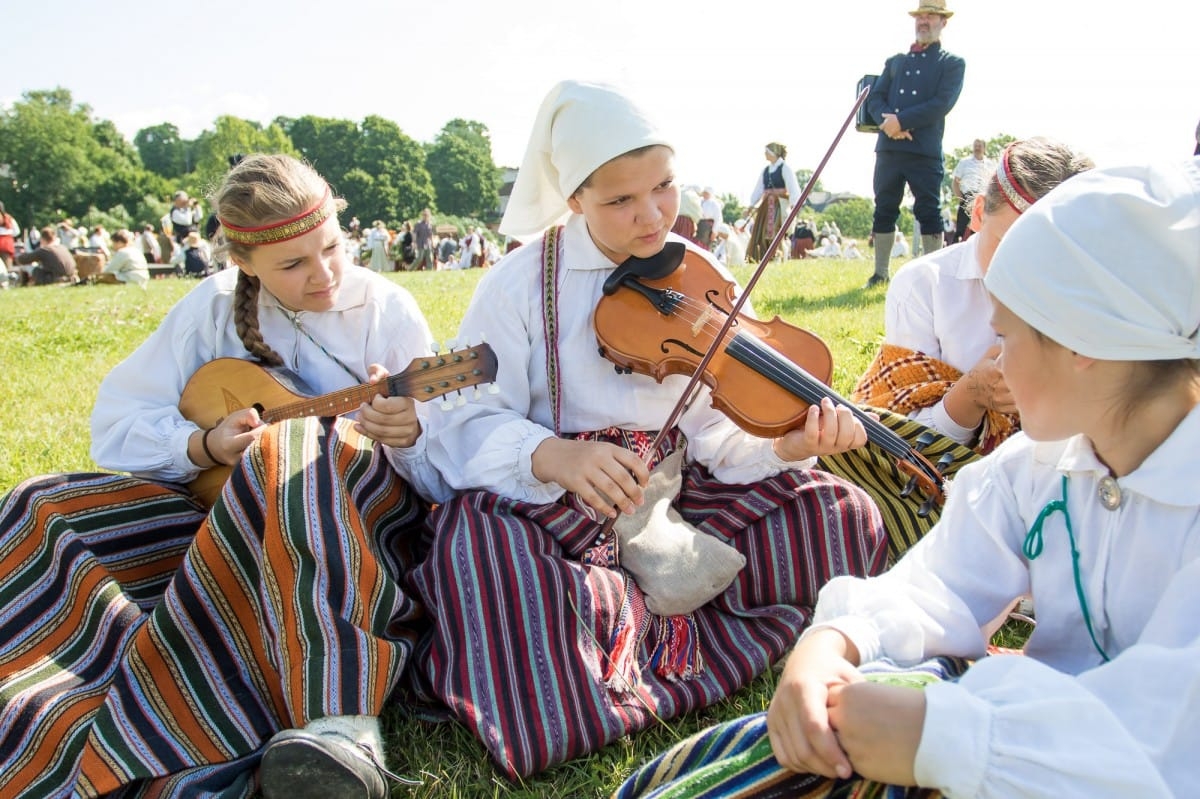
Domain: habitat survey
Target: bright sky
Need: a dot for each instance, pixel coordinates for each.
(723, 77)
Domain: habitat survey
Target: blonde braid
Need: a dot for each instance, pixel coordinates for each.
(245, 320)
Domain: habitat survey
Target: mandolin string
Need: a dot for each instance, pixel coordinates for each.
(803, 384)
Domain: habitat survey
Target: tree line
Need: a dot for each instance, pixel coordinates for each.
(58, 160)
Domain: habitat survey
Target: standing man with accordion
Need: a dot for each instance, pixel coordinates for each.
(909, 101)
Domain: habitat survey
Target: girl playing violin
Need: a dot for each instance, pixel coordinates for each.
(542, 644)
(1092, 508)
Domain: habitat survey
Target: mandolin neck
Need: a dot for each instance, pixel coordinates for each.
(338, 402)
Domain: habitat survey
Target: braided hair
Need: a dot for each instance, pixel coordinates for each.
(258, 190)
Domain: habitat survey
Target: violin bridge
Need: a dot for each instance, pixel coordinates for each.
(702, 320)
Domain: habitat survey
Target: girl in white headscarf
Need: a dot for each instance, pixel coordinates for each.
(541, 644)
(1092, 509)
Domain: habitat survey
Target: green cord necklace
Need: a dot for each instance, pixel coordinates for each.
(1033, 547)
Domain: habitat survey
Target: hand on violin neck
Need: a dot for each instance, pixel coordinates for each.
(607, 477)
(826, 430)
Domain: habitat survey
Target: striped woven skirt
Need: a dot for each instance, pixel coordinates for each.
(734, 760)
(524, 620)
(874, 470)
(150, 651)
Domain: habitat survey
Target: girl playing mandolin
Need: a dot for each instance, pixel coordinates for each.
(182, 651)
(544, 644)
(1092, 508)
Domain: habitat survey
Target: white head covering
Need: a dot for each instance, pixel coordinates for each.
(1108, 263)
(580, 127)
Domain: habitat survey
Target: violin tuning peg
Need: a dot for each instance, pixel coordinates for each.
(909, 487)
(945, 461)
(926, 507)
(925, 439)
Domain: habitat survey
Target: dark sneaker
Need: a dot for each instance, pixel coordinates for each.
(304, 765)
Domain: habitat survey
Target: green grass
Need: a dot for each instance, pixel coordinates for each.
(57, 343)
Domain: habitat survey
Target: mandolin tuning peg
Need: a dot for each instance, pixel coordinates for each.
(446, 405)
(493, 388)
(434, 347)
(476, 394)
(461, 401)
(451, 343)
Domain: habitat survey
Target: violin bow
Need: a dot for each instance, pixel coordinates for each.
(689, 391)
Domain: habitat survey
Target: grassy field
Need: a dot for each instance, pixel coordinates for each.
(57, 343)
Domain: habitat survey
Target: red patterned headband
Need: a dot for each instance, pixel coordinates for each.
(1014, 195)
(283, 230)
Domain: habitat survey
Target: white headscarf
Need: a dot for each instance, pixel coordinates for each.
(579, 127)
(1108, 263)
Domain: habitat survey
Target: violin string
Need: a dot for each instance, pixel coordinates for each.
(807, 387)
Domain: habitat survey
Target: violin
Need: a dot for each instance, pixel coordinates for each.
(670, 314)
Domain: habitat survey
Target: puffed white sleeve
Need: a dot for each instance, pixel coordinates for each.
(1013, 726)
(489, 443)
(932, 602)
(136, 425)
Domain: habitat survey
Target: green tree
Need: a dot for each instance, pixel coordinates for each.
(43, 147)
(229, 136)
(464, 174)
(401, 185)
(58, 160)
(853, 217)
(330, 145)
(164, 152)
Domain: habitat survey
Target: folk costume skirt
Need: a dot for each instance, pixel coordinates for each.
(527, 624)
(734, 760)
(146, 650)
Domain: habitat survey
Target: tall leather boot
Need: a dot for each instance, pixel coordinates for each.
(883, 257)
(930, 243)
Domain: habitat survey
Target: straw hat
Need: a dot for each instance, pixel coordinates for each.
(932, 7)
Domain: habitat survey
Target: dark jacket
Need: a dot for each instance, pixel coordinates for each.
(920, 88)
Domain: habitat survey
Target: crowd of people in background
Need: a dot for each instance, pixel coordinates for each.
(182, 244)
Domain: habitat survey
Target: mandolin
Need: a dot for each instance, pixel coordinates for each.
(224, 385)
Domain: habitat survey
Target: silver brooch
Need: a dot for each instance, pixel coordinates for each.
(1109, 492)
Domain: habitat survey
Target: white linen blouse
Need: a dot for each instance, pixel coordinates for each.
(1058, 721)
(136, 425)
(937, 305)
(489, 443)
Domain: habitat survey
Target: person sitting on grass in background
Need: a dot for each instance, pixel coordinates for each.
(127, 264)
(49, 262)
(1092, 508)
(190, 654)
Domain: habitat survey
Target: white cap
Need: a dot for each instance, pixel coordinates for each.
(1108, 263)
(579, 128)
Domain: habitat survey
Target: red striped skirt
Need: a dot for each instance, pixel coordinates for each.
(150, 651)
(522, 623)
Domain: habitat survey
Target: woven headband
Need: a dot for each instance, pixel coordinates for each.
(283, 230)
(1014, 195)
